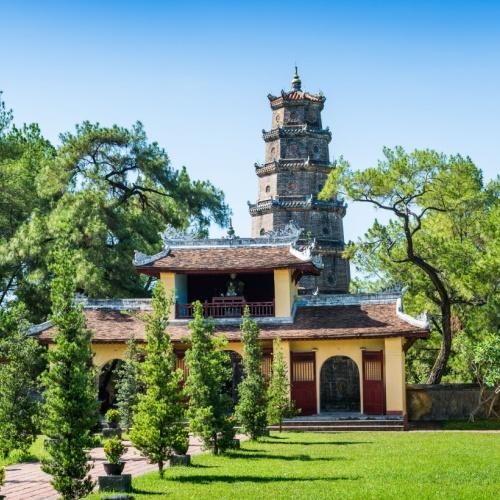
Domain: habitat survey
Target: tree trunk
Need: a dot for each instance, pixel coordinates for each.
(441, 362)
(216, 445)
(160, 468)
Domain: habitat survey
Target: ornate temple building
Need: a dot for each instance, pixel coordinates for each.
(345, 352)
(296, 166)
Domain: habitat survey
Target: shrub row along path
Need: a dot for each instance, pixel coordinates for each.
(27, 480)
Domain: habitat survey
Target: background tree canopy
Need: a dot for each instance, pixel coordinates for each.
(106, 191)
(441, 243)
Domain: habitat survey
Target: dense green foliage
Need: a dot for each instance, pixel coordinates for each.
(128, 384)
(251, 408)
(441, 241)
(106, 191)
(23, 152)
(35, 452)
(279, 404)
(354, 465)
(158, 417)
(209, 375)
(21, 362)
(482, 358)
(70, 409)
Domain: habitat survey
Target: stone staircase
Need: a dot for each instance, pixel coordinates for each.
(332, 424)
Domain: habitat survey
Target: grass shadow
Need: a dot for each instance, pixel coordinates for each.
(245, 450)
(322, 443)
(257, 479)
(301, 457)
(138, 491)
(205, 479)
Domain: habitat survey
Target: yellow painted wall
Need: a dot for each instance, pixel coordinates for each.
(353, 348)
(327, 348)
(168, 280)
(395, 385)
(394, 362)
(234, 346)
(105, 352)
(284, 293)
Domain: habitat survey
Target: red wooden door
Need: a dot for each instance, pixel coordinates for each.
(304, 381)
(373, 383)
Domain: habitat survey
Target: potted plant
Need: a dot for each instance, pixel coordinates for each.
(2, 480)
(113, 418)
(114, 449)
(181, 446)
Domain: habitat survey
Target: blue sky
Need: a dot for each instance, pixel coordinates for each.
(418, 74)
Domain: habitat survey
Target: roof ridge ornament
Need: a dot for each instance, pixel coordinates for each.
(231, 233)
(171, 233)
(290, 230)
(296, 82)
(141, 259)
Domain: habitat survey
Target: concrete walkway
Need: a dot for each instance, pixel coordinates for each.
(27, 481)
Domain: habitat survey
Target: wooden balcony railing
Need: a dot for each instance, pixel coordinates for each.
(227, 307)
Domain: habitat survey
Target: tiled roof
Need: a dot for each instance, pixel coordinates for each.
(228, 259)
(313, 322)
(295, 95)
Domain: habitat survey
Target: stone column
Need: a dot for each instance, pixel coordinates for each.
(282, 293)
(168, 280)
(394, 360)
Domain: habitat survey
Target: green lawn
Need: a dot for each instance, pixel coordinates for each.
(36, 452)
(340, 465)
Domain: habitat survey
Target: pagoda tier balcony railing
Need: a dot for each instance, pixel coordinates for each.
(295, 131)
(227, 307)
(300, 202)
(287, 164)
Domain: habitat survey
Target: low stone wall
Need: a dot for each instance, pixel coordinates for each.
(441, 402)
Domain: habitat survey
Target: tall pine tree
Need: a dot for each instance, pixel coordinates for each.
(70, 409)
(158, 419)
(251, 408)
(209, 376)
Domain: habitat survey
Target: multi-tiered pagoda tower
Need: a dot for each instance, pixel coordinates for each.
(296, 166)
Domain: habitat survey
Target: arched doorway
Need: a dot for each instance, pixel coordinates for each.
(107, 384)
(339, 385)
(237, 369)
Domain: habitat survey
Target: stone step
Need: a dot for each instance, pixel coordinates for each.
(361, 423)
(338, 428)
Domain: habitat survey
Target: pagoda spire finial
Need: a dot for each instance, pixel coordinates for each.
(296, 83)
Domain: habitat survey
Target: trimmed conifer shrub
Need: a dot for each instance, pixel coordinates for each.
(251, 410)
(158, 417)
(209, 376)
(279, 405)
(128, 384)
(70, 409)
